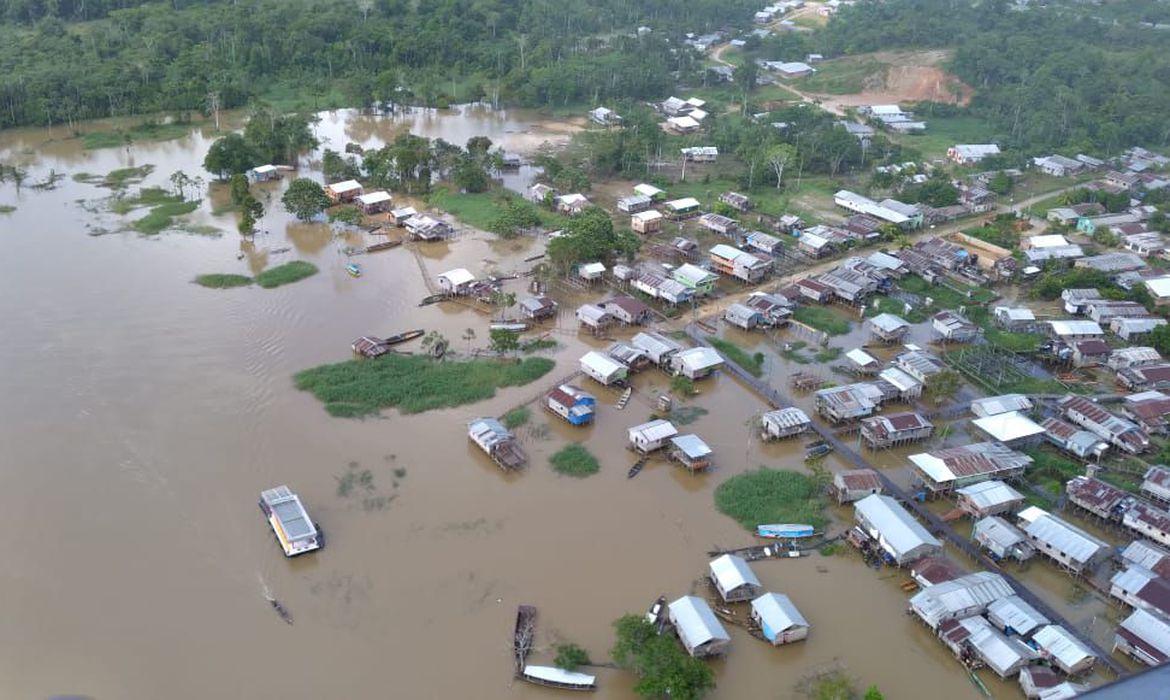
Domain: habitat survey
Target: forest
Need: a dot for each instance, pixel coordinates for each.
(65, 60)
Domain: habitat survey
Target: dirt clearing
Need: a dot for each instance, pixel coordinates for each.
(888, 78)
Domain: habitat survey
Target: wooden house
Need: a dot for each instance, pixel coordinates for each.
(697, 627)
(571, 403)
(539, 307)
(737, 201)
(628, 310)
(347, 191)
(374, 202)
(593, 317)
(895, 429)
(399, 216)
(784, 423)
(498, 442)
(856, 484)
(646, 222)
(691, 452)
(603, 369)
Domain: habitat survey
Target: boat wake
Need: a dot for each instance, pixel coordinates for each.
(276, 604)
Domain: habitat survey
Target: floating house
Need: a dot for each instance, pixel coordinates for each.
(1145, 637)
(374, 202)
(346, 191)
(554, 677)
(779, 620)
(895, 429)
(498, 442)
(660, 349)
(1066, 544)
(1002, 539)
(856, 484)
(603, 369)
(785, 423)
(458, 282)
(698, 629)
(899, 535)
(961, 598)
(691, 452)
(1063, 650)
(652, 436)
(734, 579)
(290, 522)
(1013, 615)
(988, 498)
(577, 407)
(696, 363)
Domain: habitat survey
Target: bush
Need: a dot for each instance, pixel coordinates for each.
(574, 460)
(516, 417)
(570, 656)
(771, 496)
(287, 273)
(659, 662)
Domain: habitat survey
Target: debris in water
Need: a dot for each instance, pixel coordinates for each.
(281, 610)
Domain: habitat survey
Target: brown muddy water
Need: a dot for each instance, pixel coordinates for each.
(141, 415)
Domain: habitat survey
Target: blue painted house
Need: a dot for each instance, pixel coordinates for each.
(571, 403)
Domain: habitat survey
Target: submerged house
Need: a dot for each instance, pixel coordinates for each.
(539, 307)
(785, 423)
(698, 629)
(898, 534)
(498, 442)
(734, 579)
(577, 407)
(374, 202)
(961, 598)
(648, 437)
(262, 173)
(779, 620)
(603, 368)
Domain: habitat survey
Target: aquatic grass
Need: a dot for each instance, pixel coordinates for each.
(537, 344)
(222, 280)
(574, 460)
(146, 197)
(822, 319)
(752, 363)
(413, 383)
(161, 217)
(146, 131)
(7, 208)
(771, 496)
(792, 352)
(685, 415)
(516, 417)
(287, 273)
(828, 354)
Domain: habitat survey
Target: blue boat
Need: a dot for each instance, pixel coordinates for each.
(785, 531)
(354, 270)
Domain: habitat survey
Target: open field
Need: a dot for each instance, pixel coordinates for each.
(887, 77)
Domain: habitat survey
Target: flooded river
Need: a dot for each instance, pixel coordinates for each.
(141, 415)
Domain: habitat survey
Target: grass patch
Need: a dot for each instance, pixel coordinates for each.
(943, 296)
(287, 273)
(883, 304)
(685, 415)
(829, 354)
(822, 319)
(771, 496)
(537, 344)
(413, 383)
(481, 209)
(516, 417)
(574, 460)
(116, 179)
(943, 132)
(752, 363)
(845, 76)
(792, 352)
(161, 217)
(222, 281)
(146, 131)
(146, 197)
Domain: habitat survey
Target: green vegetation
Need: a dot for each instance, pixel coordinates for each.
(945, 131)
(305, 199)
(792, 352)
(347, 214)
(536, 345)
(589, 237)
(823, 319)
(269, 137)
(574, 460)
(685, 415)
(146, 197)
(516, 417)
(144, 132)
(882, 304)
(287, 273)
(828, 685)
(498, 211)
(570, 656)
(662, 667)
(771, 496)
(413, 383)
(163, 216)
(828, 354)
(7, 208)
(944, 296)
(752, 363)
(683, 386)
(1050, 470)
(116, 179)
(845, 76)
(223, 280)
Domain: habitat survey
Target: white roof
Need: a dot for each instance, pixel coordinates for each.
(683, 122)
(697, 114)
(458, 276)
(647, 190)
(976, 150)
(732, 572)
(374, 197)
(648, 215)
(1047, 241)
(789, 417)
(888, 322)
(727, 252)
(700, 358)
(655, 430)
(693, 273)
(1159, 286)
(794, 67)
(264, 169)
(1009, 426)
(1144, 553)
(695, 620)
(601, 363)
(593, 268)
(684, 203)
(1062, 645)
(898, 529)
(346, 186)
(999, 531)
(860, 357)
(559, 675)
(1000, 652)
(691, 445)
(1015, 612)
(993, 405)
(945, 600)
(1016, 313)
(1076, 327)
(901, 380)
(572, 199)
(987, 494)
(777, 612)
(1064, 537)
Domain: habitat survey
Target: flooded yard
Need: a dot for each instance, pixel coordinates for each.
(141, 415)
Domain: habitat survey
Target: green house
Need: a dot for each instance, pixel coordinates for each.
(695, 278)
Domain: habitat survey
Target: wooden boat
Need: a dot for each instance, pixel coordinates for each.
(513, 326)
(404, 336)
(656, 615)
(524, 634)
(383, 246)
(432, 299)
(281, 610)
(554, 677)
(636, 468)
(354, 269)
(785, 531)
(818, 451)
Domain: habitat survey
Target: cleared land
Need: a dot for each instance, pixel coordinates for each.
(886, 77)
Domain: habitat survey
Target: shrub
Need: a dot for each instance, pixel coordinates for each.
(574, 460)
(287, 273)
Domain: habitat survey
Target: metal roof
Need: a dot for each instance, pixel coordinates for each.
(695, 621)
(1064, 537)
(655, 343)
(691, 445)
(997, 651)
(1147, 555)
(603, 364)
(861, 358)
(345, 186)
(700, 358)
(374, 197)
(988, 494)
(287, 508)
(1060, 644)
(693, 274)
(684, 203)
(1009, 426)
(457, 277)
(1015, 612)
(790, 417)
(899, 531)
(966, 594)
(999, 532)
(732, 571)
(1076, 327)
(899, 378)
(777, 612)
(888, 322)
(655, 430)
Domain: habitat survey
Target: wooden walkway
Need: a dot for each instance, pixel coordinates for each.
(934, 523)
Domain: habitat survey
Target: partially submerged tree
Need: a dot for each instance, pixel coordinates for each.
(662, 667)
(305, 199)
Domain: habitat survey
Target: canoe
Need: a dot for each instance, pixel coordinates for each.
(636, 468)
(404, 336)
(818, 451)
(354, 269)
(383, 246)
(434, 298)
(785, 531)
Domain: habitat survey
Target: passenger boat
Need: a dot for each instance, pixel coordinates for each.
(554, 677)
(354, 269)
(404, 336)
(295, 532)
(785, 531)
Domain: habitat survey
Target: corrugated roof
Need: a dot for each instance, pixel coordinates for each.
(988, 494)
(973, 592)
(695, 620)
(888, 323)
(998, 531)
(732, 572)
(1014, 612)
(1009, 426)
(655, 430)
(898, 529)
(997, 651)
(1148, 555)
(1060, 644)
(861, 358)
(790, 417)
(777, 612)
(1064, 537)
(700, 358)
(691, 445)
(965, 461)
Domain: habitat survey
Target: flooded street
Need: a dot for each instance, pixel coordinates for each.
(141, 415)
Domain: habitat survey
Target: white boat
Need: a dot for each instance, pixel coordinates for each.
(295, 532)
(785, 531)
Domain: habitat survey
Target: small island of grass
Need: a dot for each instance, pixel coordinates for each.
(222, 281)
(771, 496)
(822, 319)
(574, 460)
(7, 208)
(287, 273)
(751, 363)
(413, 383)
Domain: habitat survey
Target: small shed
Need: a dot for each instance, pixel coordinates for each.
(648, 437)
(458, 281)
(593, 317)
(698, 629)
(784, 423)
(696, 363)
(691, 452)
(603, 368)
(346, 191)
(779, 620)
(370, 347)
(856, 484)
(743, 316)
(573, 404)
(734, 579)
(646, 221)
(591, 272)
(374, 202)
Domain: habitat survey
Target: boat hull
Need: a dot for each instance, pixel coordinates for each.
(785, 531)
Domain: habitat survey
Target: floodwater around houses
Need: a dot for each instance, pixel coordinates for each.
(141, 415)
